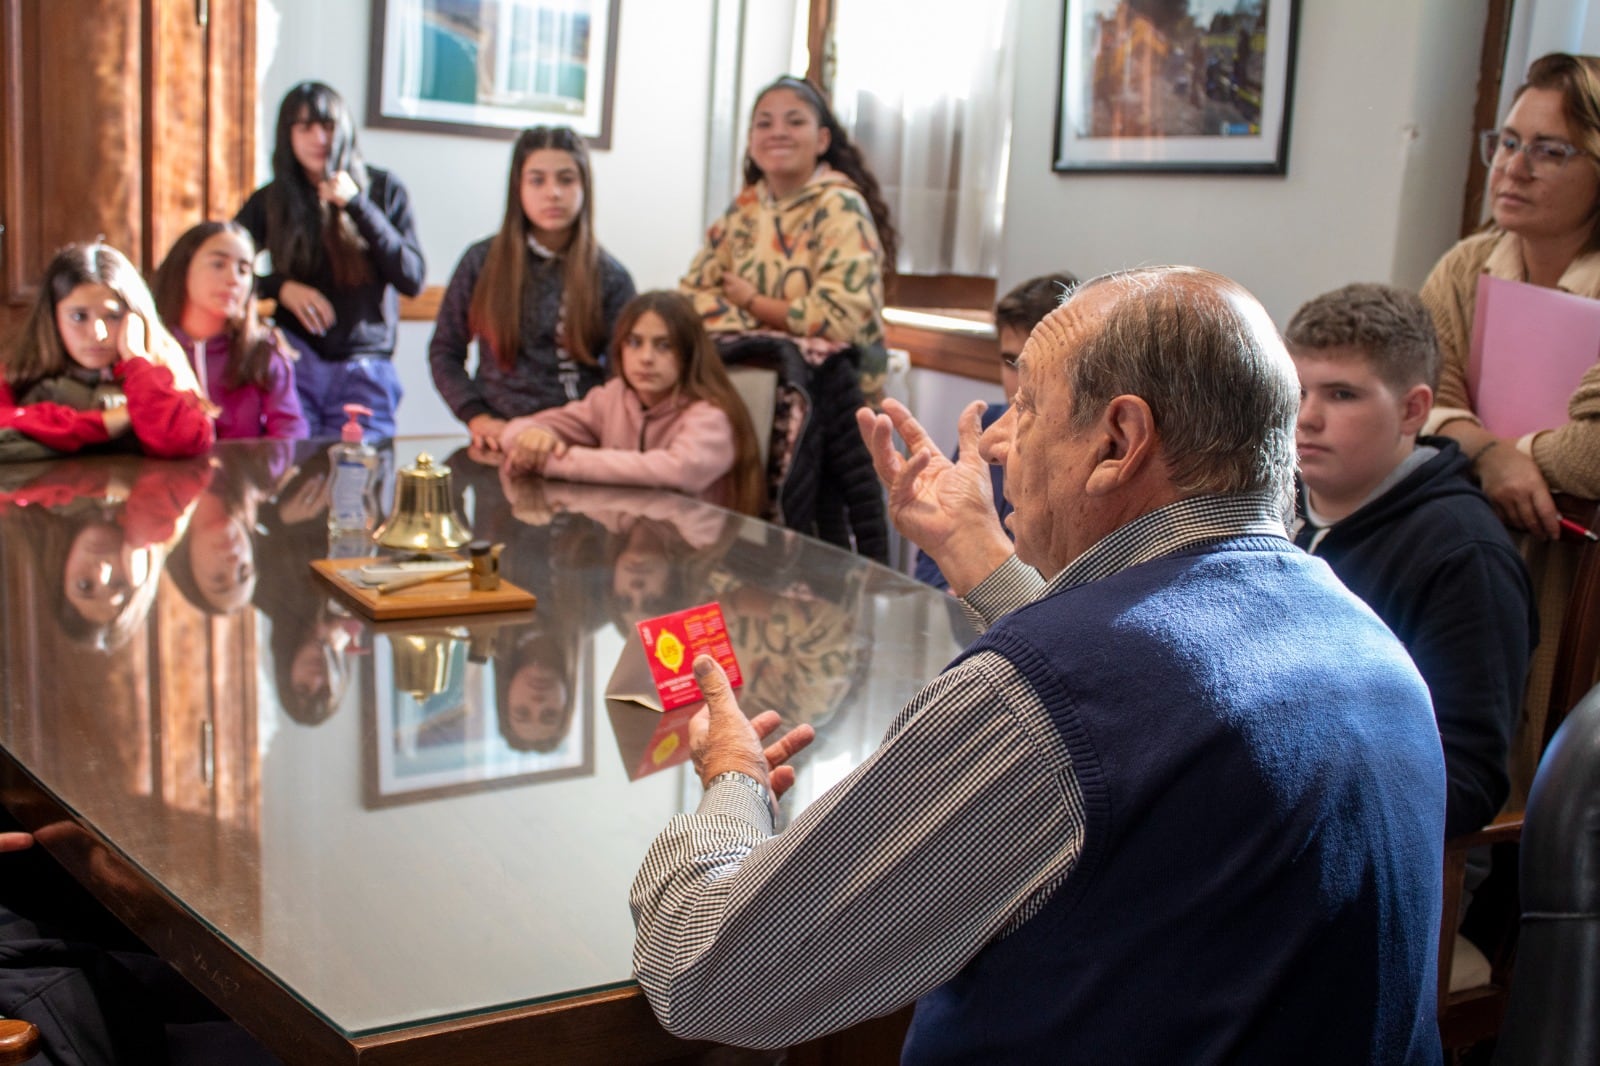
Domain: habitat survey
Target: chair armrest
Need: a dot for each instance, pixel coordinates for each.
(19, 1041)
(1506, 828)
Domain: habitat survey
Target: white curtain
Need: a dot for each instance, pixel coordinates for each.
(924, 86)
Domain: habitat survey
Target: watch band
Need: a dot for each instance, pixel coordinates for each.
(744, 781)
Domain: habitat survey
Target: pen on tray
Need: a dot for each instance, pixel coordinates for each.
(1572, 527)
(422, 579)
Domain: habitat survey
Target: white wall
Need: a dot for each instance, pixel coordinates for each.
(1380, 136)
(647, 187)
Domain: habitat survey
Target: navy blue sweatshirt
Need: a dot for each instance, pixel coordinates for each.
(1430, 557)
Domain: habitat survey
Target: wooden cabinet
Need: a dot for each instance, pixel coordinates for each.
(127, 119)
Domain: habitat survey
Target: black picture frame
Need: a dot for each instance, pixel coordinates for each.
(429, 70)
(1210, 91)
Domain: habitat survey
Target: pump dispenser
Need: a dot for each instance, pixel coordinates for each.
(353, 475)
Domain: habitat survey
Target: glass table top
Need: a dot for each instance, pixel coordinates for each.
(408, 821)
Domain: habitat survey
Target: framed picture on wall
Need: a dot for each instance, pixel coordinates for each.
(493, 69)
(1176, 85)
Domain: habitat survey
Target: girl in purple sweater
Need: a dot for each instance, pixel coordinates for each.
(668, 417)
(205, 294)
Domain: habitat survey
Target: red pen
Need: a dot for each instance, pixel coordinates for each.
(1572, 527)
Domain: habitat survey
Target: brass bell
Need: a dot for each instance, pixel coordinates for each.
(424, 518)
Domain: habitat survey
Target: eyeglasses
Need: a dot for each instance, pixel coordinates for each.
(1543, 156)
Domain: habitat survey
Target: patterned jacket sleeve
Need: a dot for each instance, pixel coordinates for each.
(169, 422)
(847, 281)
(703, 283)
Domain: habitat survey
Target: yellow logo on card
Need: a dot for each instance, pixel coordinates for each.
(669, 649)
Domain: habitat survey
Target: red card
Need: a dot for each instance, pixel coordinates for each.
(671, 643)
(668, 745)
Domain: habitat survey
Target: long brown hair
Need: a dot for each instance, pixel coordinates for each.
(299, 226)
(38, 352)
(841, 155)
(496, 311)
(1577, 79)
(701, 376)
(250, 344)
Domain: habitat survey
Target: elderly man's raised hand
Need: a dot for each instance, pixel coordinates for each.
(721, 739)
(945, 508)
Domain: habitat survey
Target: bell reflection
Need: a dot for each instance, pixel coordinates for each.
(427, 662)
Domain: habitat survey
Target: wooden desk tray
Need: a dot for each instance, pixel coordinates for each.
(433, 600)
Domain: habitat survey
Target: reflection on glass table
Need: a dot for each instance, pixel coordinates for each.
(360, 834)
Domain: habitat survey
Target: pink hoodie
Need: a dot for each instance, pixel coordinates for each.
(612, 440)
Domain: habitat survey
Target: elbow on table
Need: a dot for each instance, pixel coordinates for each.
(689, 1014)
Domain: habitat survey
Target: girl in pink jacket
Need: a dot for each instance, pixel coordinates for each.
(668, 417)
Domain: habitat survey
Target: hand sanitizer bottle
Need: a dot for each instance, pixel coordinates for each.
(353, 471)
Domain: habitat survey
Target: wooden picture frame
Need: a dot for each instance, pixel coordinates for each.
(437, 68)
(1208, 89)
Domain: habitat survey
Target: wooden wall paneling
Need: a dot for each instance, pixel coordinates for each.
(231, 109)
(13, 277)
(1491, 75)
(175, 123)
(87, 54)
(73, 134)
(122, 119)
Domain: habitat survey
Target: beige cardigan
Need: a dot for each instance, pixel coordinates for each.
(1568, 454)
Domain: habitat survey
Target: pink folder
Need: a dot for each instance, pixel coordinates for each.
(1530, 348)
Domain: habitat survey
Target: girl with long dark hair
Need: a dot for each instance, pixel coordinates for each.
(540, 296)
(669, 417)
(343, 243)
(805, 246)
(204, 292)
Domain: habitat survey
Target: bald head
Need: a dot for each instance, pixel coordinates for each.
(1204, 355)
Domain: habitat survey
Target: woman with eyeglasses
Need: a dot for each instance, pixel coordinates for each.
(1544, 187)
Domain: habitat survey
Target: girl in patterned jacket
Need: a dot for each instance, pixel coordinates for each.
(804, 248)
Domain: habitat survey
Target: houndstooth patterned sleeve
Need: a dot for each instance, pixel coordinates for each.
(963, 822)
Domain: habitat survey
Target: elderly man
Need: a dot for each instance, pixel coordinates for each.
(1181, 803)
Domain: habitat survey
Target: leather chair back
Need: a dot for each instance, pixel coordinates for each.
(1554, 1015)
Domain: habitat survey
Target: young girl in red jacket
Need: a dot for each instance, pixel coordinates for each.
(668, 417)
(204, 293)
(94, 368)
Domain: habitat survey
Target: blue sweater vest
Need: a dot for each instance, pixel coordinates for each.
(1264, 796)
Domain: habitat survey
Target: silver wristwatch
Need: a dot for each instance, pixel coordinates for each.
(744, 781)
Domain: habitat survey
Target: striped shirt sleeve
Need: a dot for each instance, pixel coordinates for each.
(870, 897)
